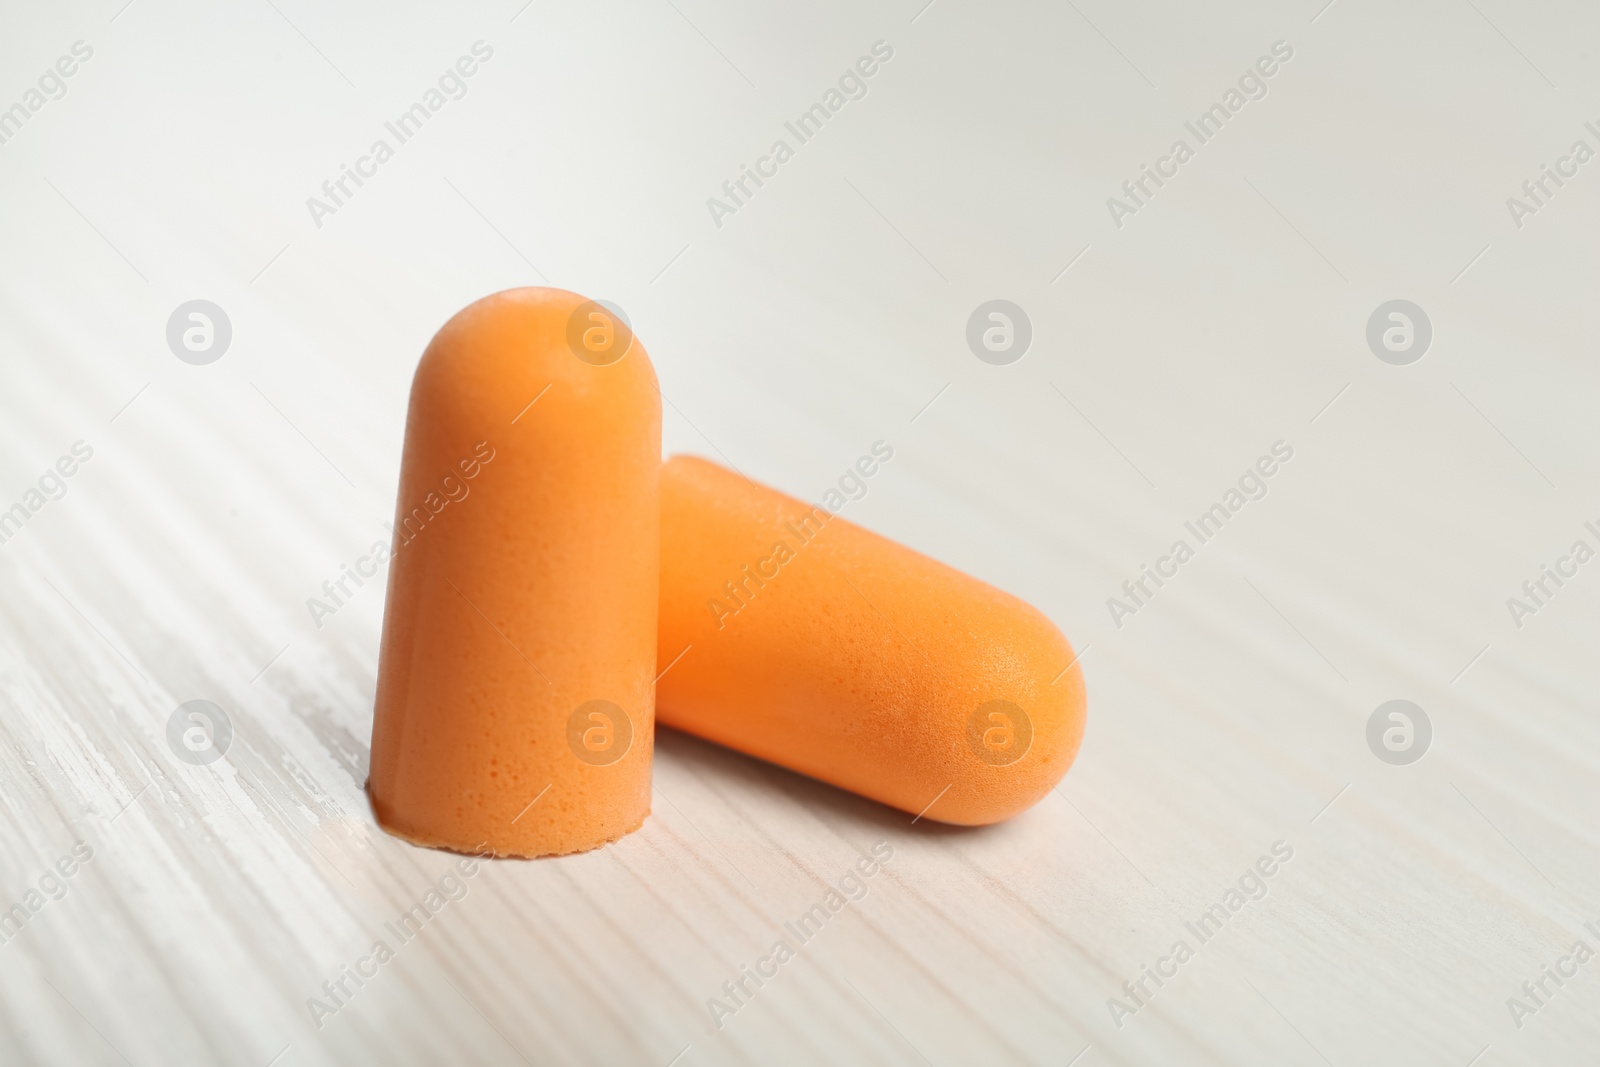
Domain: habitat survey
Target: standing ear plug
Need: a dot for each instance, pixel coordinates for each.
(515, 707)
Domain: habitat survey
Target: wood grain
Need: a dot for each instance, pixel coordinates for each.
(1227, 714)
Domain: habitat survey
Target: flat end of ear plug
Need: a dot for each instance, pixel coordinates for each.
(569, 841)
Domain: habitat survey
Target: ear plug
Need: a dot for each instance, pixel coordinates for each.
(807, 641)
(515, 697)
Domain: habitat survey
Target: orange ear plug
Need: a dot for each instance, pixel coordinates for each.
(814, 644)
(515, 703)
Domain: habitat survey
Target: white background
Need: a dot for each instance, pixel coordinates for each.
(825, 315)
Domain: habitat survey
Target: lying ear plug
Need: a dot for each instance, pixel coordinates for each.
(515, 702)
(794, 636)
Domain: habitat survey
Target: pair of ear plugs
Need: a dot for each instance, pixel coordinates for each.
(555, 589)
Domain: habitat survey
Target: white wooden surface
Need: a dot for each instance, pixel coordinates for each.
(1228, 714)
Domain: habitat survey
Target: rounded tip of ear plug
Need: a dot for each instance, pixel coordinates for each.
(1018, 747)
(564, 332)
